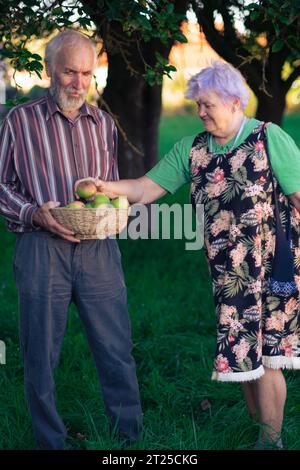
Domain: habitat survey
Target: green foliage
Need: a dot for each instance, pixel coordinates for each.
(140, 21)
(280, 21)
(154, 75)
(266, 44)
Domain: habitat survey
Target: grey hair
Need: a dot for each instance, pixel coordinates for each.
(222, 79)
(69, 38)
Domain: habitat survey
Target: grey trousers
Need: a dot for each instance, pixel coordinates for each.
(50, 273)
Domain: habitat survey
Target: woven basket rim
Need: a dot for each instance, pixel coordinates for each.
(89, 208)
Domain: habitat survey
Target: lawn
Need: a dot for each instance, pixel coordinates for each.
(172, 313)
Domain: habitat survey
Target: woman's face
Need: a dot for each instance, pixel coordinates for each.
(216, 115)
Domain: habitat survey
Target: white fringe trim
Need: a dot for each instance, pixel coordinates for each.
(275, 362)
(238, 376)
(281, 362)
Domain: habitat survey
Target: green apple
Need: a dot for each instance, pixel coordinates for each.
(89, 205)
(120, 202)
(103, 205)
(75, 205)
(100, 199)
(86, 189)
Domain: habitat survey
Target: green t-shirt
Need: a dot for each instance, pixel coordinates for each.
(173, 170)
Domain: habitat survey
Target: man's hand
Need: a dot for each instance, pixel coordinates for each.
(43, 218)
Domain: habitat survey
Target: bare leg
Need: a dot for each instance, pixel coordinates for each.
(271, 396)
(265, 400)
(249, 390)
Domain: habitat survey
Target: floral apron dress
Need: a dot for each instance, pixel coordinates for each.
(255, 328)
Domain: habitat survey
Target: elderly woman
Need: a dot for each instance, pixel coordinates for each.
(229, 171)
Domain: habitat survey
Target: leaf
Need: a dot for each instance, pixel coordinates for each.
(57, 11)
(233, 286)
(145, 23)
(252, 6)
(273, 303)
(254, 15)
(248, 363)
(36, 57)
(170, 68)
(284, 20)
(278, 45)
(212, 207)
(180, 37)
(170, 8)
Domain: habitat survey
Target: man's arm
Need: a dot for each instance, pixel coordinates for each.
(15, 206)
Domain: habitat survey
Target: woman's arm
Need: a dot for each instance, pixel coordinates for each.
(141, 190)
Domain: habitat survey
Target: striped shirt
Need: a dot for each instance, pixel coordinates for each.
(43, 153)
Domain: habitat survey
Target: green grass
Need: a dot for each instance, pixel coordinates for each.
(172, 313)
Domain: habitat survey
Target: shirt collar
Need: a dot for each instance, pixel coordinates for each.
(53, 108)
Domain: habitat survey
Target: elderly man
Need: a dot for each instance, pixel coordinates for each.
(46, 145)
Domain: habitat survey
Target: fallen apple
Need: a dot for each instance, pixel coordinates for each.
(86, 189)
(75, 205)
(120, 202)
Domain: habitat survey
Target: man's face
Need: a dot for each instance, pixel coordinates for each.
(71, 75)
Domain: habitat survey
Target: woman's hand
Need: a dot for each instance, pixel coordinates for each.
(80, 181)
(107, 187)
(141, 190)
(110, 188)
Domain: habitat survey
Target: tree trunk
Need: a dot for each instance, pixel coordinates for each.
(135, 104)
(267, 109)
(137, 107)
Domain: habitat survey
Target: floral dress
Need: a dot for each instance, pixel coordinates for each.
(255, 328)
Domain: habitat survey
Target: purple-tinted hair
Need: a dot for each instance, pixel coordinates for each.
(222, 79)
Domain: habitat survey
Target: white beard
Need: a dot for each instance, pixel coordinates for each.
(65, 102)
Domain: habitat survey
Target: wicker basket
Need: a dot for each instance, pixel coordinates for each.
(89, 223)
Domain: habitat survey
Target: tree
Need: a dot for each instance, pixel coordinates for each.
(137, 36)
(134, 83)
(271, 41)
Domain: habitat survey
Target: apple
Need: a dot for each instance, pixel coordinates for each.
(120, 202)
(103, 205)
(86, 189)
(89, 205)
(75, 205)
(100, 199)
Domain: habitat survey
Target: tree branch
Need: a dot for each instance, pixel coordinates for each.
(226, 51)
